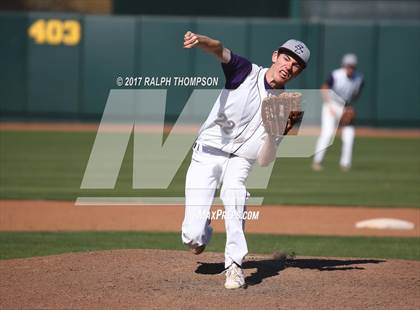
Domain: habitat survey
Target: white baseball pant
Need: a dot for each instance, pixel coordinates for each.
(331, 115)
(205, 174)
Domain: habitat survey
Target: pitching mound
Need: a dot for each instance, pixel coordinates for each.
(157, 279)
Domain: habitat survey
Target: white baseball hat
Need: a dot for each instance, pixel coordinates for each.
(349, 60)
(298, 50)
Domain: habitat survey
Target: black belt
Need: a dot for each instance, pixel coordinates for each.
(212, 150)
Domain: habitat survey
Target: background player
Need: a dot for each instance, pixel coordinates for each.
(229, 142)
(346, 83)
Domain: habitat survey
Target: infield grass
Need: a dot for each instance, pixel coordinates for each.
(28, 244)
(50, 165)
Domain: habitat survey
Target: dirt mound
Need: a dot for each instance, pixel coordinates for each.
(158, 279)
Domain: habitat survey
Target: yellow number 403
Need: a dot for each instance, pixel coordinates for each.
(55, 31)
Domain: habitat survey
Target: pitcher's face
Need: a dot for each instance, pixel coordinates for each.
(284, 68)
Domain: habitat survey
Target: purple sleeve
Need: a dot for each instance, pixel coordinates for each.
(236, 71)
(330, 81)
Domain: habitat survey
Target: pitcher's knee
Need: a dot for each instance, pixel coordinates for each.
(233, 195)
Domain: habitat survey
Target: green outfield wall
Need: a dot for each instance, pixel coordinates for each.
(62, 66)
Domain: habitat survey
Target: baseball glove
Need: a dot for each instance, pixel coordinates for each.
(348, 116)
(280, 113)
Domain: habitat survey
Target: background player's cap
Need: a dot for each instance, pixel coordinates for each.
(298, 50)
(349, 60)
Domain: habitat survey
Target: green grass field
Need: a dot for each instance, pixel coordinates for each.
(50, 165)
(28, 244)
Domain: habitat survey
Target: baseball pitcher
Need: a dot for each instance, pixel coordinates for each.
(247, 122)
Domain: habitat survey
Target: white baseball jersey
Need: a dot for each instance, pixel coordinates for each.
(345, 87)
(234, 124)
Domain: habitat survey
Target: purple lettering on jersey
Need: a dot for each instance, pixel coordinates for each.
(236, 71)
